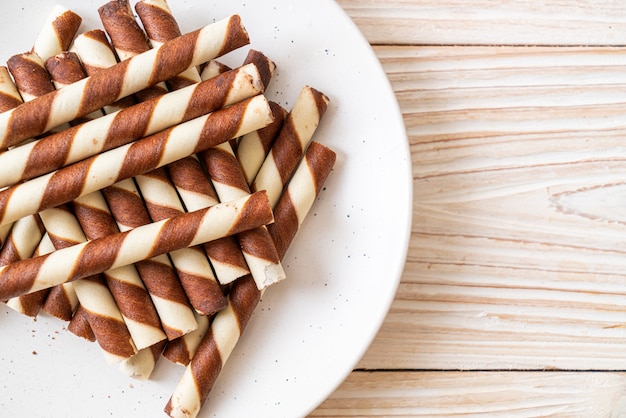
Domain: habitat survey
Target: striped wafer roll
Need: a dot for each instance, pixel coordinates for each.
(181, 350)
(64, 69)
(57, 33)
(105, 169)
(253, 148)
(161, 26)
(158, 274)
(30, 75)
(127, 288)
(96, 53)
(141, 243)
(113, 130)
(202, 372)
(126, 78)
(127, 38)
(79, 325)
(196, 192)
(141, 365)
(25, 241)
(256, 245)
(213, 68)
(191, 264)
(297, 131)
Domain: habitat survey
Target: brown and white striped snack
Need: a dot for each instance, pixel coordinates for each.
(157, 273)
(292, 140)
(127, 288)
(57, 33)
(30, 75)
(161, 26)
(141, 365)
(126, 78)
(181, 350)
(196, 192)
(256, 245)
(79, 324)
(211, 355)
(127, 38)
(192, 265)
(127, 161)
(113, 130)
(141, 243)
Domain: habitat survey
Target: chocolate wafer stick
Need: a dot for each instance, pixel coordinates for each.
(126, 78)
(113, 130)
(154, 151)
(57, 32)
(181, 350)
(141, 243)
(202, 372)
(158, 274)
(127, 288)
(292, 140)
(191, 264)
(79, 324)
(141, 365)
(256, 245)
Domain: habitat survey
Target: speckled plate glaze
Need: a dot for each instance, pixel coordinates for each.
(310, 331)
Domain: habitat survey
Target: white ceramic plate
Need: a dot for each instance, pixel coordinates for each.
(344, 266)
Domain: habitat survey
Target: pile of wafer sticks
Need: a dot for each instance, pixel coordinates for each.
(147, 191)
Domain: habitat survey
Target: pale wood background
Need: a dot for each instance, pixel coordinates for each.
(513, 300)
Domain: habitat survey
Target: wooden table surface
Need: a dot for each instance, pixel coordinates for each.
(513, 299)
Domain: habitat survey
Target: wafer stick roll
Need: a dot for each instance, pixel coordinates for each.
(141, 365)
(57, 33)
(161, 26)
(158, 274)
(154, 151)
(191, 264)
(79, 325)
(30, 75)
(113, 130)
(196, 192)
(256, 245)
(126, 286)
(127, 38)
(126, 78)
(181, 350)
(292, 140)
(211, 355)
(141, 243)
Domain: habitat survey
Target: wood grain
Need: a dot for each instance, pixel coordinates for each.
(510, 22)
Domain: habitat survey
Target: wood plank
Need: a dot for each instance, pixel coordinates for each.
(493, 394)
(512, 22)
(517, 257)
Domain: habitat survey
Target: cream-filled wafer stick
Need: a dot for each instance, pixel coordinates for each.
(96, 53)
(253, 148)
(181, 350)
(191, 264)
(256, 245)
(141, 365)
(161, 26)
(127, 38)
(211, 355)
(65, 68)
(123, 79)
(157, 273)
(30, 75)
(297, 131)
(129, 124)
(24, 241)
(212, 69)
(141, 243)
(196, 192)
(79, 325)
(57, 33)
(127, 288)
(105, 169)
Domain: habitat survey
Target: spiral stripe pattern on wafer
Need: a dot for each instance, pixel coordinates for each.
(141, 243)
(126, 286)
(154, 151)
(126, 78)
(292, 140)
(57, 33)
